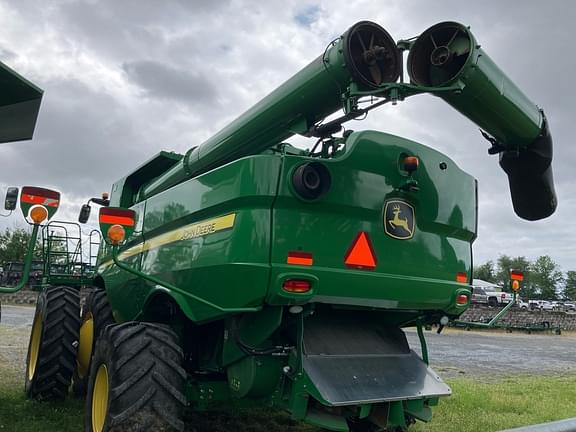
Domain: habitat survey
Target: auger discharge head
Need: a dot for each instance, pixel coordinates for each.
(448, 55)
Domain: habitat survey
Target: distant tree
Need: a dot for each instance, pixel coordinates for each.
(485, 272)
(570, 285)
(546, 276)
(14, 245)
(505, 265)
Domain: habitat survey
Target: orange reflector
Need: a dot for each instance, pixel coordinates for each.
(461, 277)
(517, 275)
(38, 214)
(462, 299)
(296, 286)
(116, 234)
(515, 285)
(361, 254)
(300, 258)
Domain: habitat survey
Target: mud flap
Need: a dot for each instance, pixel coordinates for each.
(353, 363)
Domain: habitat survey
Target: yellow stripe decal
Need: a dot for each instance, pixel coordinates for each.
(187, 232)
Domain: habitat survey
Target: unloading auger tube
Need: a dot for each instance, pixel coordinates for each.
(365, 61)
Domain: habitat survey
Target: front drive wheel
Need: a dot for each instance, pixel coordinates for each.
(96, 315)
(136, 380)
(52, 347)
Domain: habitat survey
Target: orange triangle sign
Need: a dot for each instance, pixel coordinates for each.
(361, 254)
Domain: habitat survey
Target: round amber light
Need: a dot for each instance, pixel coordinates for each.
(38, 214)
(116, 234)
(515, 285)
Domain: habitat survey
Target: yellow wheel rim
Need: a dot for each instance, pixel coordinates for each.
(100, 399)
(35, 339)
(85, 345)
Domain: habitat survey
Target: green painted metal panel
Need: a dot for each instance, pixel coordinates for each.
(231, 266)
(419, 273)
(228, 267)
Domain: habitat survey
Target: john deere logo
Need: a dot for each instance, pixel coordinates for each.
(399, 220)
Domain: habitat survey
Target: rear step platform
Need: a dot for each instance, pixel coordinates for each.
(355, 362)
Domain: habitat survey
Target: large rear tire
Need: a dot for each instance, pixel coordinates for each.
(96, 315)
(136, 380)
(53, 341)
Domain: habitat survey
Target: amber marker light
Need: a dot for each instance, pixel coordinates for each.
(461, 277)
(38, 214)
(116, 234)
(411, 163)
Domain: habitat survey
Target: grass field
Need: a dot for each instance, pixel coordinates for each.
(476, 406)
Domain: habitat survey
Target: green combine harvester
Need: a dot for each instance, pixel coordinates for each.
(248, 272)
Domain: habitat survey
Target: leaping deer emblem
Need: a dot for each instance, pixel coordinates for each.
(399, 222)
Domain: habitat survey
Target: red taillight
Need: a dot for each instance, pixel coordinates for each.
(296, 286)
(502, 296)
(517, 275)
(462, 299)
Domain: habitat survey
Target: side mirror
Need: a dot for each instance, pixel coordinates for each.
(11, 198)
(84, 213)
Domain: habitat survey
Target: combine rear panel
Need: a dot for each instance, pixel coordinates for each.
(369, 243)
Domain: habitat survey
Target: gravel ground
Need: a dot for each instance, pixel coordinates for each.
(13, 349)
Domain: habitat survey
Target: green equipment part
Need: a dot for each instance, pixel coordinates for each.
(19, 106)
(284, 277)
(447, 54)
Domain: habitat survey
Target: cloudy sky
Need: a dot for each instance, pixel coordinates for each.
(124, 79)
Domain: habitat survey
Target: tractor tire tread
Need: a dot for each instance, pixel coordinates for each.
(146, 378)
(97, 304)
(59, 307)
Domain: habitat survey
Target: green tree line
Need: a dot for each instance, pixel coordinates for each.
(543, 278)
(14, 245)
